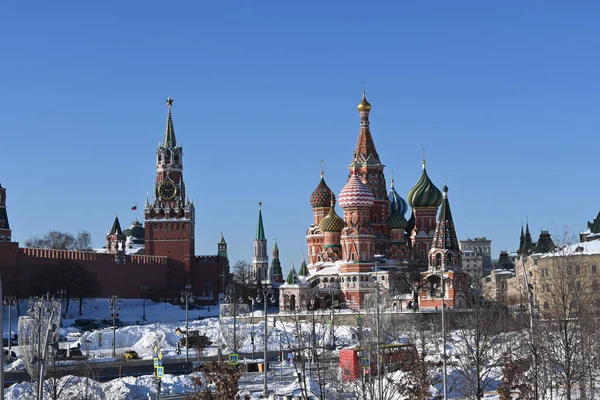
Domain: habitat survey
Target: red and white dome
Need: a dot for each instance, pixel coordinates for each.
(355, 194)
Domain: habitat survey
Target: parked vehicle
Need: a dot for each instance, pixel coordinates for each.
(86, 324)
(131, 355)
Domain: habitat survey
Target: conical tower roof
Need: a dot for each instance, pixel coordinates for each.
(169, 139)
(365, 151)
(260, 230)
(303, 268)
(116, 227)
(292, 277)
(445, 235)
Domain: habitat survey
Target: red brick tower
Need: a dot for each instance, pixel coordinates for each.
(370, 169)
(5, 231)
(445, 249)
(170, 217)
(424, 198)
(320, 200)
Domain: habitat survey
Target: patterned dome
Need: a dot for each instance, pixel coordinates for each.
(424, 193)
(397, 201)
(356, 193)
(332, 222)
(396, 220)
(322, 195)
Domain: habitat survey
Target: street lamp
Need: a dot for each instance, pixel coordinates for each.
(265, 295)
(9, 301)
(334, 293)
(61, 292)
(252, 299)
(113, 306)
(187, 297)
(144, 289)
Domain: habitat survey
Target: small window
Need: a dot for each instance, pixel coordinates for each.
(546, 305)
(594, 269)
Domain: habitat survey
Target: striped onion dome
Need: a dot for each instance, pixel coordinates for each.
(396, 201)
(424, 193)
(322, 195)
(356, 193)
(332, 222)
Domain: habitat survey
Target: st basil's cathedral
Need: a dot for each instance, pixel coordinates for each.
(358, 253)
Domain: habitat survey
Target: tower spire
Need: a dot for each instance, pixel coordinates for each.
(260, 230)
(169, 139)
(365, 152)
(445, 249)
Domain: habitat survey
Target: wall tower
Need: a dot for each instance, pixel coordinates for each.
(260, 260)
(5, 231)
(170, 217)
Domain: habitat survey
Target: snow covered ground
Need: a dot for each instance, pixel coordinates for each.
(160, 330)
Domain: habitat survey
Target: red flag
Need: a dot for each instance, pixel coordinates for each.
(134, 207)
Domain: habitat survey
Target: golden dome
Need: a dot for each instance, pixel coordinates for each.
(364, 105)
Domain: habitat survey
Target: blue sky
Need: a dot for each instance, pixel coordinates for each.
(504, 98)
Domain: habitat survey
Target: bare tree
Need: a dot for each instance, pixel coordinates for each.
(482, 342)
(61, 241)
(567, 325)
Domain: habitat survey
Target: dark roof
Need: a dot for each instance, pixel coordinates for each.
(116, 227)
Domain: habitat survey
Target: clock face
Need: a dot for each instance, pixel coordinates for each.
(167, 190)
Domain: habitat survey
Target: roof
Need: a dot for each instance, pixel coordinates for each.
(116, 227)
(585, 248)
(260, 230)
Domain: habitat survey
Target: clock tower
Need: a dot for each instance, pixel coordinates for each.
(170, 216)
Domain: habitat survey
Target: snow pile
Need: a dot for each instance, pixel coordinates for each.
(127, 388)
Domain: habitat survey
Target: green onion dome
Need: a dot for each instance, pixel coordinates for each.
(332, 222)
(396, 220)
(322, 195)
(424, 193)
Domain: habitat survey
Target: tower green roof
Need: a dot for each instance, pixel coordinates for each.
(116, 227)
(303, 268)
(292, 277)
(424, 193)
(260, 230)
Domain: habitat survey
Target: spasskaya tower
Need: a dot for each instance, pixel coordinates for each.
(170, 216)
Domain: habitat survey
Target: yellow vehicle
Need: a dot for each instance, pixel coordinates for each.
(131, 355)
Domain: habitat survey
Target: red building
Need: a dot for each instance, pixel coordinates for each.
(166, 263)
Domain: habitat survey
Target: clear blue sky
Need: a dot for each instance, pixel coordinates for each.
(504, 97)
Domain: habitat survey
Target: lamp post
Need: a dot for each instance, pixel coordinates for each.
(187, 297)
(265, 295)
(61, 292)
(113, 306)
(144, 289)
(252, 299)
(444, 332)
(9, 301)
(334, 293)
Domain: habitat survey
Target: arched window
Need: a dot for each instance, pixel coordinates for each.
(450, 260)
(438, 259)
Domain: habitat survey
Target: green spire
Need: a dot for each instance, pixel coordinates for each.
(303, 268)
(291, 278)
(260, 230)
(169, 140)
(116, 227)
(222, 240)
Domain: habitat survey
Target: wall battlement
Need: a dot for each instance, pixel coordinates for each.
(77, 255)
(207, 259)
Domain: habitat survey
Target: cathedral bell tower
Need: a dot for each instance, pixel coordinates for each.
(170, 216)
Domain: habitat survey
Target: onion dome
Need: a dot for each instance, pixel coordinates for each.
(364, 105)
(424, 193)
(396, 201)
(356, 193)
(332, 222)
(322, 195)
(396, 220)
